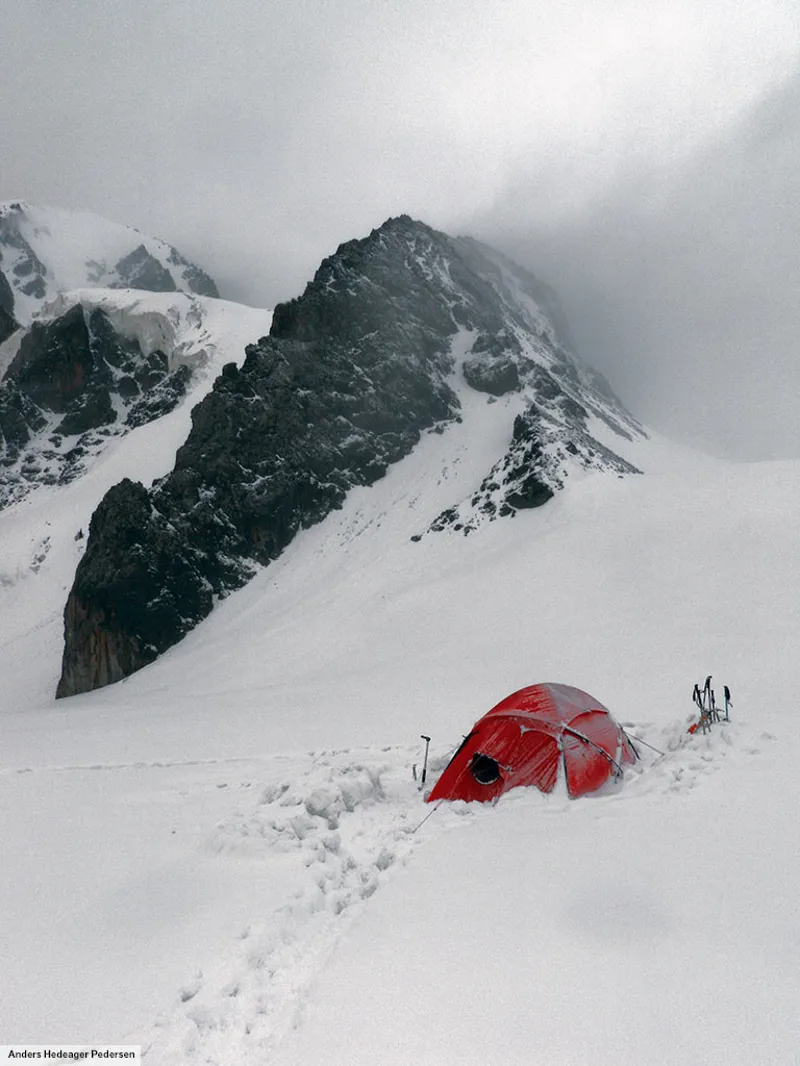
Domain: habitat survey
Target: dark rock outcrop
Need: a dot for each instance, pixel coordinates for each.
(196, 279)
(28, 271)
(132, 575)
(61, 368)
(140, 270)
(495, 374)
(72, 380)
(6, 292)
(544, 444)
(8, 324)
(352, 373)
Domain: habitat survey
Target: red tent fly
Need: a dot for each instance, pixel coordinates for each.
(528, 736)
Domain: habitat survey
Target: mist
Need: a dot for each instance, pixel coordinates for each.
(643, 160)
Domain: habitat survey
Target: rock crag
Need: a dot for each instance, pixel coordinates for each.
(352, 373)
(73, 381)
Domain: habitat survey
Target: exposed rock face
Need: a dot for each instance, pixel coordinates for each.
(6, 293)
(128, 583)
(72, 381)
(195, 279)
(531, 471)
(27, 270)
(8, 324)
(352, 373)
(140, 270)
(513, 484)
(492, 372)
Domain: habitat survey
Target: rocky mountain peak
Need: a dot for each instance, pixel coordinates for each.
(376, 351)
(45, 251)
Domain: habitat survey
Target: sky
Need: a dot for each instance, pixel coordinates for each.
(640, 158)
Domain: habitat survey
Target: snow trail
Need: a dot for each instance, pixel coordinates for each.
(342, 824)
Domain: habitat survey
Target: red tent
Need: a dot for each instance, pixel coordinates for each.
(524, 739)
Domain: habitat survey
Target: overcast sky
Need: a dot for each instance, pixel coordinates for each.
(642, 157)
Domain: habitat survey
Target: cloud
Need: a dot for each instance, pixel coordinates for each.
(609, 143)
(681, 282)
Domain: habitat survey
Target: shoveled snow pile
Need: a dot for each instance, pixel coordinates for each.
(225, 858)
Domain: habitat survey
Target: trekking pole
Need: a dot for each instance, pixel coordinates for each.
(425, 763)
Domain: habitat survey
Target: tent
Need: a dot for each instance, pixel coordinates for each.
(527, 736)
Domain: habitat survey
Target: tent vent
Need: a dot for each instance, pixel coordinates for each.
(484, 769)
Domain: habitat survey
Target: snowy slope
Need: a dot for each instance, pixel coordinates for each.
(259, 893)
(45, 251)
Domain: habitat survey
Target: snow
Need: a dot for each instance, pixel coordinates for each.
(181, 326)
(226, 858)
(8, 349)
(77, 248)
(74, 238)
(626, 929)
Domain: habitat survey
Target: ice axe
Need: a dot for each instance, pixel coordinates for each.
(425, 763)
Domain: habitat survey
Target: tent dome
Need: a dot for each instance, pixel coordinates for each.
(527, 736)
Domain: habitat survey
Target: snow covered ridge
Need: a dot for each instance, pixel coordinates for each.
(378, 350)
(95, 364)
(48, 250)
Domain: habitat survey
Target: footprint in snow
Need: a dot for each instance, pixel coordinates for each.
(348, 823)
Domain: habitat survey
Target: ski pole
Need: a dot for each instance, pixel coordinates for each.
(425, 763)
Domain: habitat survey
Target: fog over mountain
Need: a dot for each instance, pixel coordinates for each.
(639, 159)
(683, 285)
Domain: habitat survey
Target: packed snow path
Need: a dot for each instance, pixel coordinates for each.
(339, 825)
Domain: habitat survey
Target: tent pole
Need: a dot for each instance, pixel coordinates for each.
(591, 743)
